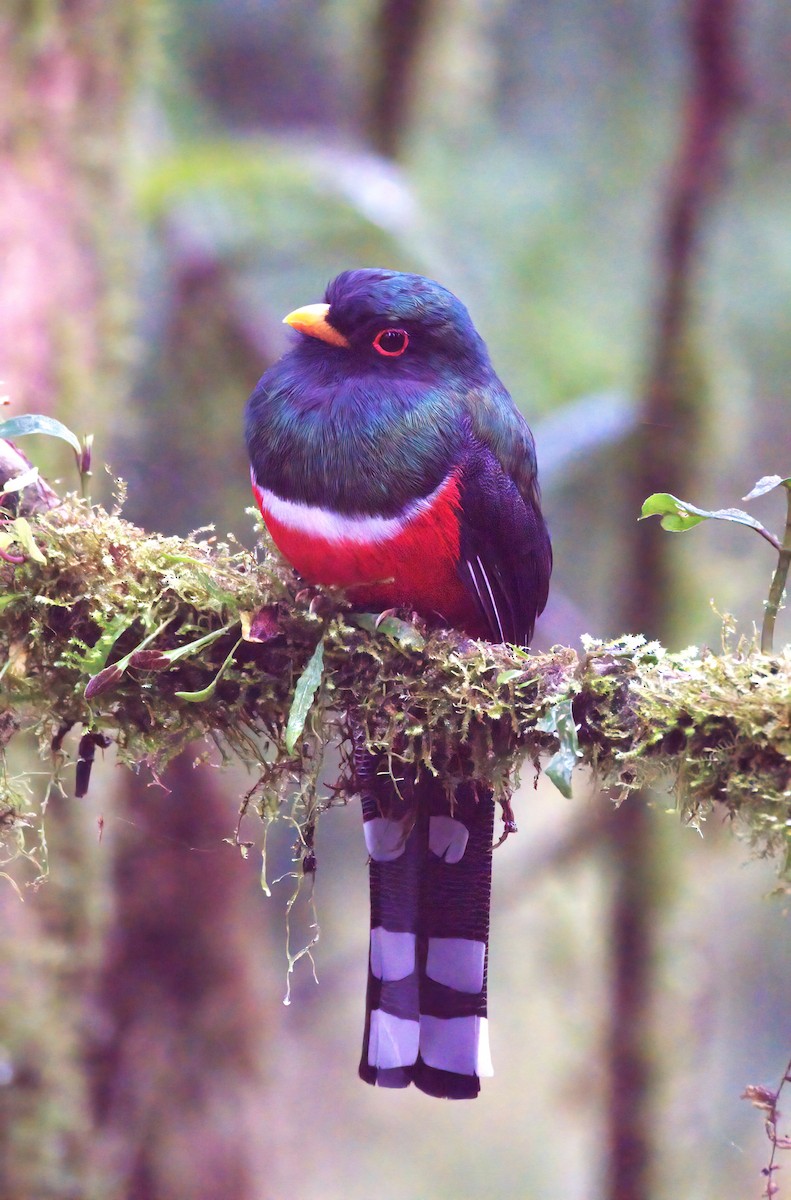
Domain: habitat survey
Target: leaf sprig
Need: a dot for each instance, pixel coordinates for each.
(679, 515)
(27, 423)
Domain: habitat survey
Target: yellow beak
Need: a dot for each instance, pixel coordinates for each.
(312, 319)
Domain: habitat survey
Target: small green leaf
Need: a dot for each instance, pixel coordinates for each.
(207, 692)
(174, 656)
(24, 535)
(307, 686)
(560, 721)
(767, 484)
(37, 423)
(400, 632)
(678, 515)
(21, 481)
(94, 659)
(507, 676)
(6, 600)
(559, 769)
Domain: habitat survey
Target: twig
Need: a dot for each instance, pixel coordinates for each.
(767, 1101)
(778, 583)
(664, 460)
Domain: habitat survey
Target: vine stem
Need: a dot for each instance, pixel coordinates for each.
(778, 583)
(767, 1101)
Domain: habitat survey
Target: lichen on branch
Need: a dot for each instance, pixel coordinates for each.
(155, 642)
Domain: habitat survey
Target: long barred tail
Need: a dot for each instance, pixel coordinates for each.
(430, 893)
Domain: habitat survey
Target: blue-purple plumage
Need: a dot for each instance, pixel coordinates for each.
(388, 458)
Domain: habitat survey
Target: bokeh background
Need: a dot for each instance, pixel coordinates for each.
(607, 184)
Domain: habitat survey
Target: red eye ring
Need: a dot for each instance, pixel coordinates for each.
(391, 342)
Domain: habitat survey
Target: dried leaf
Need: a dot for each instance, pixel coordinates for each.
(767, 484)
(261, 626)
(104, 680)
(20, 482)
(760, 1096)
(149, 660)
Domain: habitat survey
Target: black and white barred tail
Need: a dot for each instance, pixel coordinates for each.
(430, 868)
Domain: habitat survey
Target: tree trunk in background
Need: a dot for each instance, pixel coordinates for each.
(178, 1074)
(398, 32)
(179, 1078)
(67, 73)
(664, 460)
(202, 364)
(673, 402)
(130, 1077)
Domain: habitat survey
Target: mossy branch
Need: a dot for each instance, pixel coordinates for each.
(157, 642)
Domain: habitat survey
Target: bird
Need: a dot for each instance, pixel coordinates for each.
(388, 459)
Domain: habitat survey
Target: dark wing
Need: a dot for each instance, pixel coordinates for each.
(505, 557)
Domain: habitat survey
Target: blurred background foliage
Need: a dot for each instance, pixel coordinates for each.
(178, 174)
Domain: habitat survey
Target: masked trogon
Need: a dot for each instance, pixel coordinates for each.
(388, 458)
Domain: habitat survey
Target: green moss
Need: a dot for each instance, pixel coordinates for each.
(153, 619)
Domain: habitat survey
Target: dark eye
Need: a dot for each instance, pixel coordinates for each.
(391, 342)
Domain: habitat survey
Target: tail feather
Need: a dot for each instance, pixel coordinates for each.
(430, 867)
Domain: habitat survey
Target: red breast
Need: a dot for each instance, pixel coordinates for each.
(407, 561)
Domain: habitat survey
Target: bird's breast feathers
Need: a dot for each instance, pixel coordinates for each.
(409, 559)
